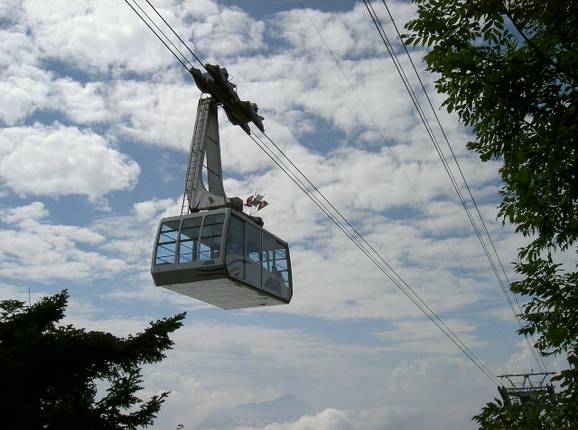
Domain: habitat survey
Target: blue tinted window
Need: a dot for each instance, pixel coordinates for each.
(210, 242)
(167, 243)
(189, 240)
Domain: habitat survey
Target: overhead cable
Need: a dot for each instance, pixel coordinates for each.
(370, 252)
(163, 33)
(434, 141)
(164, 42)
(400, 165)
(537, 357)
(431, 134)
(176, 34)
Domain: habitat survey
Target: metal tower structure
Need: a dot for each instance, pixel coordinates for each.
(522, 388)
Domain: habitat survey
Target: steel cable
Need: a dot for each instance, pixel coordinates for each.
(399, 164)
(504, 288)
(156, 34)
(359, 240)
(176, 34)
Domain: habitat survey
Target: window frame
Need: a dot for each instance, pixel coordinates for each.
(223, 223)
(177, 254)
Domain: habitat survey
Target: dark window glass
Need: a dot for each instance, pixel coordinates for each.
(235, 245)
(167, 244)
(210, 243)
(275, 266)
(253, 254)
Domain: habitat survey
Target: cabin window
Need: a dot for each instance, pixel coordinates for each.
(189, 240)
(167, 245)
(235, 243)
(212, 231)
(275, 266)
(253, 254)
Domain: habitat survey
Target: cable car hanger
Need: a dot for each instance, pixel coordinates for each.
(216, 83)
(213, 251)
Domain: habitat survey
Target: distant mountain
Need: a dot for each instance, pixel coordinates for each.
(281, 409)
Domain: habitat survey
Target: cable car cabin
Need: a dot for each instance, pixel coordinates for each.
(222, 257)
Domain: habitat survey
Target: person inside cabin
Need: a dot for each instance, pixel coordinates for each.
(274, 280)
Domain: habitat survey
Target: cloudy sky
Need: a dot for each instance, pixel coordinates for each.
(96, 118)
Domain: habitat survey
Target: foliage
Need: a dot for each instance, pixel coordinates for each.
(510, 71)
(53, 376)
(520, 99)
(548, 416)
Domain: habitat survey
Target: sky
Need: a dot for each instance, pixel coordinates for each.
(96, 118)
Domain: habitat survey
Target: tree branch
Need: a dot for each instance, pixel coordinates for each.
(538, 51)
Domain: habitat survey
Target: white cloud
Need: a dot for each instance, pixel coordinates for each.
(59, 160)
(215, 366)
(228, 32)
(98, 35)
(32, 249)
(94, 35)
(151, 211)
(385, 418)
(31, 212)
(157, 113)
(235, 364)
(345, 33)
(81, 103)
(23, 89)
(17, 47)
(413, 335)
(522, 358)
(10, 9)
(448, 390)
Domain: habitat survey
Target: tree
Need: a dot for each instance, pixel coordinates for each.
(58, 377)
(509, 70)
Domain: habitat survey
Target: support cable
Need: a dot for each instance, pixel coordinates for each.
(433, 139)
(504, 288)
(162, 32)
(156, 34)
(518, 310)
(176, 34)
(359, 240)
(400, 165)
(430, 133)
